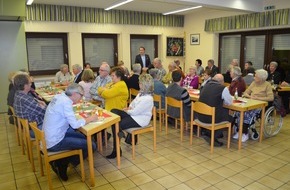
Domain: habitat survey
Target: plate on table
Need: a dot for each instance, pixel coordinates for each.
(194, 91)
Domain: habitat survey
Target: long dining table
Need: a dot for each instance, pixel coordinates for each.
(242, 105)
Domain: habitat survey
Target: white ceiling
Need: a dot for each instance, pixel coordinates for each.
(162, 6)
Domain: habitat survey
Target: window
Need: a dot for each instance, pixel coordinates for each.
(98, 48)
(148, 41)
(46, 52)
(230, 50)
(254, 50)
(261, 47)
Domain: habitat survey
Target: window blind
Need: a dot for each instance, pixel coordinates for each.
(255, 50)
(45, 53)
(281, 42)
(98, 50)
(230, 50)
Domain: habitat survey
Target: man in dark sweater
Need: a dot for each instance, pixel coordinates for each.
(215, 94)
(175, 91)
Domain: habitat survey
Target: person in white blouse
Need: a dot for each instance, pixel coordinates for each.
(139, 112)
(59, 124)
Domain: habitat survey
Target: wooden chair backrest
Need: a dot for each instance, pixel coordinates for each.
(202, 108)
(169, 101)
(157, 98)
(133, 92)
(25, 125)
(39, 137)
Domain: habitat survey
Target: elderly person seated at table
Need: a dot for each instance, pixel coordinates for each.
(116, 92)
(87, 80)
(274, 77)
(63, 76)
(215, 94)
(238, 84)
(133, 81)
(157, 64)
(59, 127)
(159, 87)
(191, 80)
(139, 112)
(25, 105)
(78, 72)
(101, 80)
(227, 75)
(175, 91)
(168, 78)
(260, 89)
(206, 77)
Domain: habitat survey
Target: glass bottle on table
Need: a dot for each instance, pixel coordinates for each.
(236, 95)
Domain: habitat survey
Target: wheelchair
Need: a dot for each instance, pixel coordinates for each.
(273, 123)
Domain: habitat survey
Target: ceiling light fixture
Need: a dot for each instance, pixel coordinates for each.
(182, 10)
(118, 4)
(29, 2)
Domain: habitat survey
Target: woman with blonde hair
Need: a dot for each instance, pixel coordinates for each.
(88, 78)
(139, 112)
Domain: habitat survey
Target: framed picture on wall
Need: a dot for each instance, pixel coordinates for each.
(174, 46)
(194, 39)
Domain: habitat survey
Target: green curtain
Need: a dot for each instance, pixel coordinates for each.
(43, 12)
(247, 21)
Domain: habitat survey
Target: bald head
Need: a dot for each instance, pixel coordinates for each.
(219, 78)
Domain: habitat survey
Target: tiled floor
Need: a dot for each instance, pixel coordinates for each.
(175, 165)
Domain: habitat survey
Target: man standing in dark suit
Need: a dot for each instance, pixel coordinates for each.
(78, 72)
(143, 59)
(214, 69)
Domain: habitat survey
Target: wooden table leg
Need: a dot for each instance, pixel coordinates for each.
(241, 130)
(91, 160)
(262, 123)
(118, 145)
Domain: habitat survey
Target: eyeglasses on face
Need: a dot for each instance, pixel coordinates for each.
(80, 94)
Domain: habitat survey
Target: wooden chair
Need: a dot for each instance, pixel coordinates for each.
(139, 130)
(132, 92)
(169, 101)
(51, 156)
(202, 108)
(29, 141)
(159, 110)
(18, 132)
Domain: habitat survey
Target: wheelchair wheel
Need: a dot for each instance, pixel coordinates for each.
(254, 134)
(273, 122)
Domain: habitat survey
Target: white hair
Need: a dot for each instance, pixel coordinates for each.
(262, 74)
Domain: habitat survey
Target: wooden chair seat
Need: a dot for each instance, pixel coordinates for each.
(140, 130)
(202, 108)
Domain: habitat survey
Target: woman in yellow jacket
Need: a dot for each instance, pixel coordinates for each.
(115, 93)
